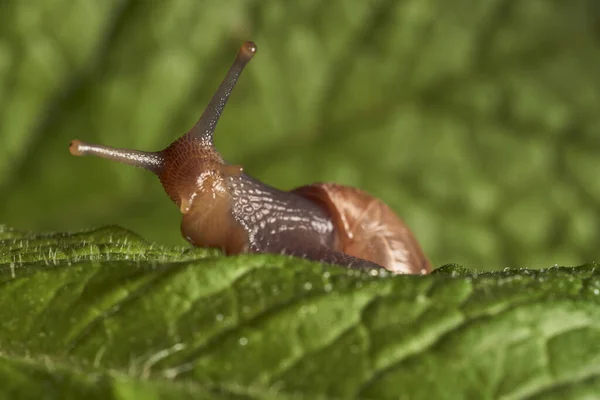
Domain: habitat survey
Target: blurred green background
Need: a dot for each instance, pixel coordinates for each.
(478, 121)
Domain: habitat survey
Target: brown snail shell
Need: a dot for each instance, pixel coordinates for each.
(367, 228)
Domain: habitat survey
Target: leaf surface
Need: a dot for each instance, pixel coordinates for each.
(106, 314)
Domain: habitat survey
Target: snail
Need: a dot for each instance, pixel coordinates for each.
(225, 208)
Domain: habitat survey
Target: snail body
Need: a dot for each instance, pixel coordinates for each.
(223, 207)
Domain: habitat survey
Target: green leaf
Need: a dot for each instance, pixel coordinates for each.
(105, 314)
(476, 120)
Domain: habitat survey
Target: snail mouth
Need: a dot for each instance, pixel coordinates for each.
(197, 203)
(209, 189)
(186, 203)
(206, 189)
(204, 199)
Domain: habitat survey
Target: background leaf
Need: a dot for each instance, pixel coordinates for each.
(104, 314)
(476, 120)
